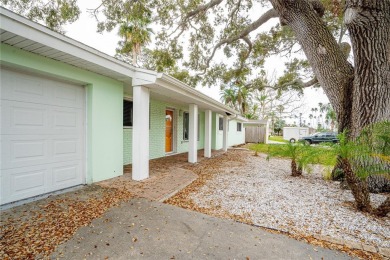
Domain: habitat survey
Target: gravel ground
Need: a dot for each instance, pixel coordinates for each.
(309, 205)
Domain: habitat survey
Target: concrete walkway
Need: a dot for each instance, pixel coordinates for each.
(142, 229)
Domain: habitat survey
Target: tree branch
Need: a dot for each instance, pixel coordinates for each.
(243, 34)
(199, 9)
(202, 8)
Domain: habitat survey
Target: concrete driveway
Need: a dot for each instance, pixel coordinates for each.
(142, 229)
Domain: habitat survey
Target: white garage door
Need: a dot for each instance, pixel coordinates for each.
(42, 135)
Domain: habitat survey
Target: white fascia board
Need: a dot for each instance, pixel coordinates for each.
(241, 119)
(23, 27)
(256, 122)
(176, 85)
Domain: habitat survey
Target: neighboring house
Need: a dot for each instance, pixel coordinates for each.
(72, 115)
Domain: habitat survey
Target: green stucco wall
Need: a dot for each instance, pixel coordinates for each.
(234, 137)
(104, 108)
(157, 131)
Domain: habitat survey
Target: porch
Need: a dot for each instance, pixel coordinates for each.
(167, 116)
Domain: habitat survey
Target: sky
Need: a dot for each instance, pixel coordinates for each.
(84, 30)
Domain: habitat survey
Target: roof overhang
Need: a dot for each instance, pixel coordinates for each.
(180, 92)
(24, 34)
(21, 33)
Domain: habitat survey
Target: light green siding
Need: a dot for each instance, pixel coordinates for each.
(104, 105)
(234, 137)
(157, 131)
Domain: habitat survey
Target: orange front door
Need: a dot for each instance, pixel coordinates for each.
(168, 131)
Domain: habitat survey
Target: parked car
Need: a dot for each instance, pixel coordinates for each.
(324, 137)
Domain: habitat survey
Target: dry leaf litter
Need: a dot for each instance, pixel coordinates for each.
(35, 232)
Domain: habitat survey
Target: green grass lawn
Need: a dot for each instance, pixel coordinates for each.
(277, 139)
(321, 154)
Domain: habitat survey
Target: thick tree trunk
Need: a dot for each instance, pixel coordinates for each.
(360, 96)
(358, 187)
(383, 209)
(368, 23)
(329, 64)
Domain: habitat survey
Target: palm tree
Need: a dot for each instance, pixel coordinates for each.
(135, 32)
(243, 99)
(228, 97)
(331, 117)
(311, 118)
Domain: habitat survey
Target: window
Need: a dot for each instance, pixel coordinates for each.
(186, 125)
(127, 113)
(220, 123)
(239, 126)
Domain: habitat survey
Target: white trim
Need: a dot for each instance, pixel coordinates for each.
(21, 26)
(173, 84)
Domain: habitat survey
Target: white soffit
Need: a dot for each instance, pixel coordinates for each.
(24, 34)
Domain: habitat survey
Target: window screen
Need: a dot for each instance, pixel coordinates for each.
(220, 123)
(127, 113)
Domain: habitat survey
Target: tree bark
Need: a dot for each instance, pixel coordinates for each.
(334, 73)
(358, 187)
(383, 209)
(368, 23)
(295, 169)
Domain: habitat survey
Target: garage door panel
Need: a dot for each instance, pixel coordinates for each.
(67, 95)
(24, 88)
(42, 135)
(67, 120)
(66, 149)
(20, 151)
(27, 118)
(66, 175)
(23, 183)
(24, 118)
(24, 150)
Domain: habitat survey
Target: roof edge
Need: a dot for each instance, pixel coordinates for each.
(177, 83)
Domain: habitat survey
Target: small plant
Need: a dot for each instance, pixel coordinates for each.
(301, 155)
(327, 173)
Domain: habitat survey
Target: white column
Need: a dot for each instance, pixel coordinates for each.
(140, 160)
(225, 133)
(193, 134)
(207, 134)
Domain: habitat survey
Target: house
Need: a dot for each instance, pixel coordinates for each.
(71, 115)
